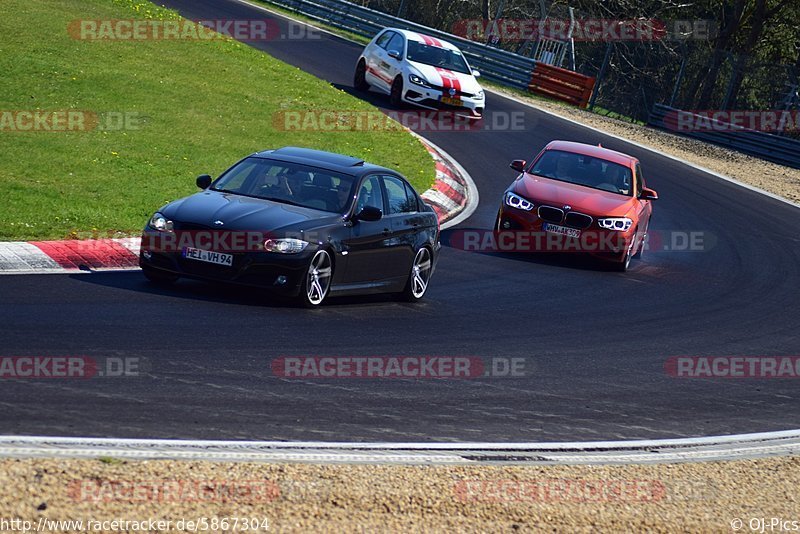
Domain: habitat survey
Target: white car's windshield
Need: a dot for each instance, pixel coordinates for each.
(437, 56)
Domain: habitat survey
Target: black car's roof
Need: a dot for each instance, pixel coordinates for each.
(319, 158)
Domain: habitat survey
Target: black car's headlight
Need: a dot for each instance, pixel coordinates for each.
(621, 224)
(419, 80)
(285, 246)
(516, 201)
(160, 223)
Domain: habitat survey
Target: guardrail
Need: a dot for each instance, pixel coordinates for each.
(495, 64)
(782, 150)
(561, 84)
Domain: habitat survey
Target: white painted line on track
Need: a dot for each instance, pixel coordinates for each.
(742, 446)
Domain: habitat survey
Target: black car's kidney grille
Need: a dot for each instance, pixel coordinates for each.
(177, 225)
(550, 214)
(577, 220)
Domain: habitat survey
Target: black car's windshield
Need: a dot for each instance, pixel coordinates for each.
(585, 170)
(289, 183)
(437, 56)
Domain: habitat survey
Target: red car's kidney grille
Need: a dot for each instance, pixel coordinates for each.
(550, 214)
(577, 220)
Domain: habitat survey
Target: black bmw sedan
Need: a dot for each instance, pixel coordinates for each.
(301, 222)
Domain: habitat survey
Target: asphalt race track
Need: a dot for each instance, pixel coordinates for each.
(594, 342)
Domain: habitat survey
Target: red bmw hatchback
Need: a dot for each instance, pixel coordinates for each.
(578, 198)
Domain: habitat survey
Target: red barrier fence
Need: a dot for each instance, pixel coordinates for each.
(561, 84)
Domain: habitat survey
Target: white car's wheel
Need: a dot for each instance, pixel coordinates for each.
(396, 96)
(360, 77)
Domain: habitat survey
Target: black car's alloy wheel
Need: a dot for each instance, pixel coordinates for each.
(317, 281)
(420, 275)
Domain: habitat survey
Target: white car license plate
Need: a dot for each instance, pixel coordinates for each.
(208, 256)
(452, 101)
(561, 230)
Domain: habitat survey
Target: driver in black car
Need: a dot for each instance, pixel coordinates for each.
(290, 184)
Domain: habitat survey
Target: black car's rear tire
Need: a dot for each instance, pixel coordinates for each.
(420, 276)
(360, 78)
(396, 96)
(158, 277)
(317, 280)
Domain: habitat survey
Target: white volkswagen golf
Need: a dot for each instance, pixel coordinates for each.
(421, 70)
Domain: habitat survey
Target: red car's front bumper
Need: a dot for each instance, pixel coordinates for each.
(523, 231)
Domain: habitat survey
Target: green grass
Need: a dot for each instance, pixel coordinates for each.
(201, 106)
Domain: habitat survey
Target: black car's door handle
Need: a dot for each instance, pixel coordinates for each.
(386, 231)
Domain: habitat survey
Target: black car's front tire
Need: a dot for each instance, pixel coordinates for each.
(162, 278)
(420, 276)
(317, 279)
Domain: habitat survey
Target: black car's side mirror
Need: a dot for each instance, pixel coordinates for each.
(203, 181)
(395, 54)
(369, 213)
(648, 194)
(518, 165)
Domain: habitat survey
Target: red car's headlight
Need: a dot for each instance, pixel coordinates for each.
(621, 224)
(516, 201)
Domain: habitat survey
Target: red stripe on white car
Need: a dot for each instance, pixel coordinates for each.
(430, 41)
(449, 79)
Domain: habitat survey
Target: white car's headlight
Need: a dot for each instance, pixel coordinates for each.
(516, 201)
(285, 246)
(419, 80)
(479, 95)
(160, 223)
(621, 224)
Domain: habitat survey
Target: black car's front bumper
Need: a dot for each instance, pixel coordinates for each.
(282, 273)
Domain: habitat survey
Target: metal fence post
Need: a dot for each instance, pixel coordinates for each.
(600, 76)
(680, 76)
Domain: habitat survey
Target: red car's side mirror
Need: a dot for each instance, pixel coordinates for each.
(648, 194)
(518, 165)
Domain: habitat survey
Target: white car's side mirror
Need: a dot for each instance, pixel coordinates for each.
(476, 73)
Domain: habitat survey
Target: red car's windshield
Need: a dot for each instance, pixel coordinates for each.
(585, 170)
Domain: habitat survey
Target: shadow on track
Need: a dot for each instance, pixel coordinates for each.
(575, 261)
(223, 293)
